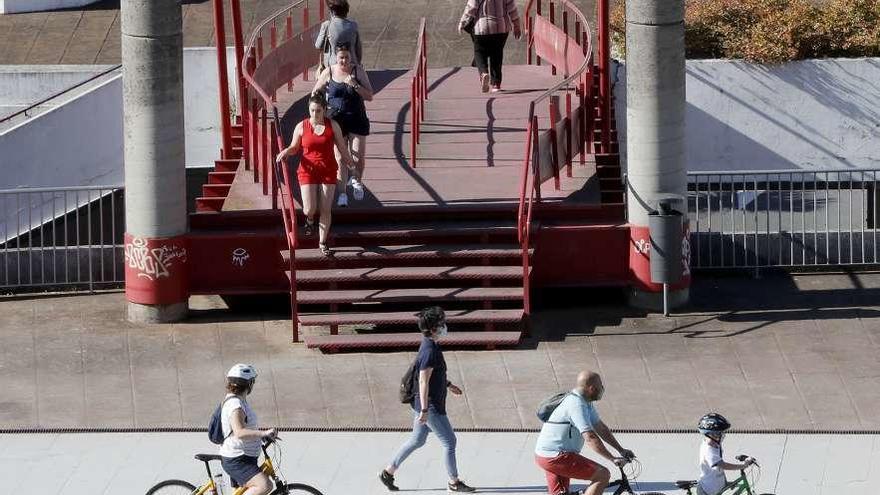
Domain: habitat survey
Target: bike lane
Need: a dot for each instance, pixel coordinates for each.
(347, 462)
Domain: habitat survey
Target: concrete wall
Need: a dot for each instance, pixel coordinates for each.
(202, 103)
(801, 115)
(13, 6)
(26, 84)
(78, 143)
(81, 142)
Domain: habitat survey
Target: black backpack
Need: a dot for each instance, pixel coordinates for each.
(215, 424)
(408, 384)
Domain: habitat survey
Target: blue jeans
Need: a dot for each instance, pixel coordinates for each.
(439, 424)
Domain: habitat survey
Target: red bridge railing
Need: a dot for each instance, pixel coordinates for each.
(419, 91)
(278, 52)
(559, 34)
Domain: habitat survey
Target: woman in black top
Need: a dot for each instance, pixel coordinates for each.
(348, 87)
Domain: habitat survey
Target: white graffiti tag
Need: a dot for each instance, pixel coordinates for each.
(152, 263)
(642, 246)
(240, 256)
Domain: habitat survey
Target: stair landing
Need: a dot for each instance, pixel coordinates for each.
(472, 144)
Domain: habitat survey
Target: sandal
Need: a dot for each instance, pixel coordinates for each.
(309, 228)
(325, 250)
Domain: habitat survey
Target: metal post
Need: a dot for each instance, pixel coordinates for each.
(155, 178)
(665, 299)
(238, 37)
(220, 41)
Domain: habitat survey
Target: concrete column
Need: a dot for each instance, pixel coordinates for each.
(155, 174)
(655, 110)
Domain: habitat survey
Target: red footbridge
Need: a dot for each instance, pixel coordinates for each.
(474, 201)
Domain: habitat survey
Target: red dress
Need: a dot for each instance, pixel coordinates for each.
(318, 163)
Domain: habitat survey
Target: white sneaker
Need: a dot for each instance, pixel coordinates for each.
(484, 83)
(343, 200)
(357, 189)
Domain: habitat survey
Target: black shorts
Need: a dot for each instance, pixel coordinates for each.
(241, 469)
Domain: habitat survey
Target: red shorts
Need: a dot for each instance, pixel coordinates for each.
(560, 470)
(320, 174)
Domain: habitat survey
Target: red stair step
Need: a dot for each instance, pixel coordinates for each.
(209, 204)
(373, 274)
(424, 229)
(410, 340)
(612, 159)
(221, 177)
(404, 295)
(228, 165)
(460, 316)
(215, 190)
(422, 251)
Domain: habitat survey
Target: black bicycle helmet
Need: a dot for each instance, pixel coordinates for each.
(713, 423)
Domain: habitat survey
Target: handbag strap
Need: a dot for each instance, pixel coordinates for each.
(479, 5)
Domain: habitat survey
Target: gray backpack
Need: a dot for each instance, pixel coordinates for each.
(548, 405)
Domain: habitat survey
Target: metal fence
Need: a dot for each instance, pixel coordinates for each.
(783, 218)
(64, 238)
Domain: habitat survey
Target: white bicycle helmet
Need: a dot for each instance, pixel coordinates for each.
(243, 371)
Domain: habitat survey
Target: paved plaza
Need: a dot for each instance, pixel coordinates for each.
(780, 352)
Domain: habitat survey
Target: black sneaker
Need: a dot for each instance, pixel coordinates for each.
(387, 479)
(459, 486)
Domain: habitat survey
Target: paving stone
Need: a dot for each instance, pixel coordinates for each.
(79, 363)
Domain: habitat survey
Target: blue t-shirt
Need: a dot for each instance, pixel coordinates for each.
(563, 431)
(430, 356)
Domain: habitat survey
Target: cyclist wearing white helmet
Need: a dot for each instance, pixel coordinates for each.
(241, 448)
(712, 465)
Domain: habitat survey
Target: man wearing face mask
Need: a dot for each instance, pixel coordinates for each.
(573, 423)
(429, 404)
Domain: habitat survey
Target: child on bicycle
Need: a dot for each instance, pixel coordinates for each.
(712, 464)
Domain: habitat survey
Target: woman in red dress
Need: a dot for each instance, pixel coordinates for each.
(315, 136)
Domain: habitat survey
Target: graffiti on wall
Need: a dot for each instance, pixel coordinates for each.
(153, 263)
(240, 256)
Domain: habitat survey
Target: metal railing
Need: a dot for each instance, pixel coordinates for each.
(547, 39)
(62, 238)
(263, 73)
(419, 90)
(783, 218)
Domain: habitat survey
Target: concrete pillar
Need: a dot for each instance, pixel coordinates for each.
(155, 174)
(655, 110)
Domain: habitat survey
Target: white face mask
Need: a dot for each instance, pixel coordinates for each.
(442, 331)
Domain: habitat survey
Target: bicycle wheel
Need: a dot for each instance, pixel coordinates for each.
(296, 489)
(172, 487)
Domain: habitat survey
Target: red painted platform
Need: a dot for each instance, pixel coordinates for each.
(472, 145)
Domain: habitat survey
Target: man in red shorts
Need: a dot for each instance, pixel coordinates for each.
(573, 423)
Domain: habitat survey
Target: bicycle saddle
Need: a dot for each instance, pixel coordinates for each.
(207, 457)
(685, 485)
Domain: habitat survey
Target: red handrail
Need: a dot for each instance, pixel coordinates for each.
(581, 81)
(418, 90)
(262, 124)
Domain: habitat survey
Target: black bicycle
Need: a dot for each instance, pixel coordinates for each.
(623, 484)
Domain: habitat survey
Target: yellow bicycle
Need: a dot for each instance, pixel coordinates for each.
(180, 487)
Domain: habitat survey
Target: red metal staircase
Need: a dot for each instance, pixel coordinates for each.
(479, 261)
